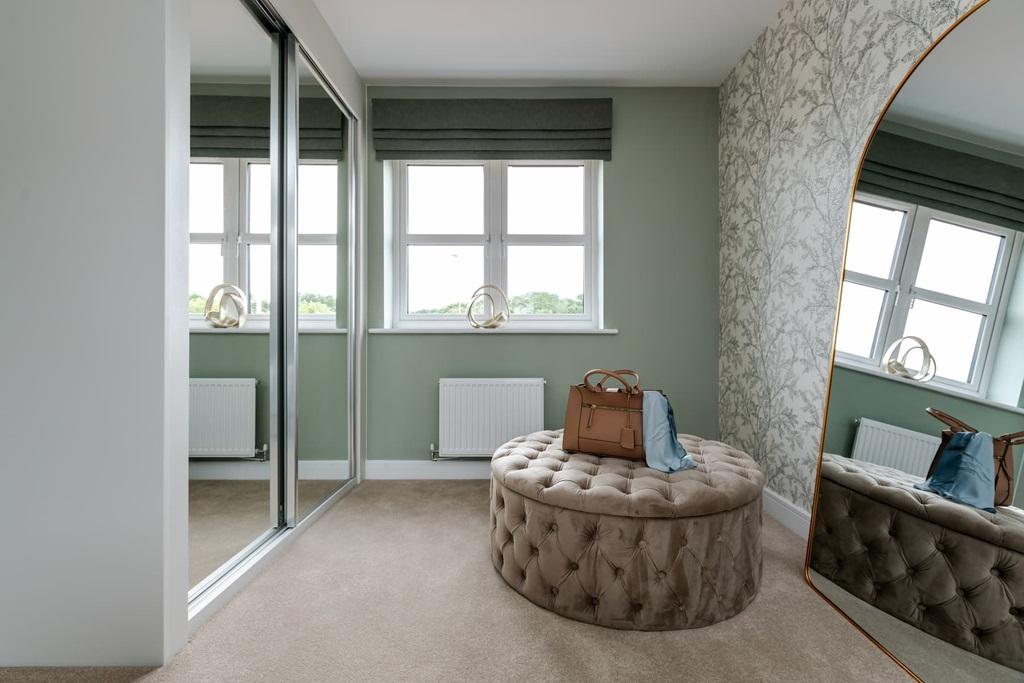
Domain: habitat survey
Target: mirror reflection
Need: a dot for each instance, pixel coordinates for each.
(917, 537)
(231, 504)
(322, 198)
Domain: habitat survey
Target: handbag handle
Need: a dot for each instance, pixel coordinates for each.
(951, 421)
(617, 375)
(1015, 439)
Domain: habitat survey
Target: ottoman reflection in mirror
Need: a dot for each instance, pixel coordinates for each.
(612, 542)
(935, 238)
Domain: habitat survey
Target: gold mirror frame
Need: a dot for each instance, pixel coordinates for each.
(835, 330)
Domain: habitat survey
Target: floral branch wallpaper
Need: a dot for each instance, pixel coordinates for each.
(796, 113)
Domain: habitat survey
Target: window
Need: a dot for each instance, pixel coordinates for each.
(912, 270)
(229, 238)
(530, 227)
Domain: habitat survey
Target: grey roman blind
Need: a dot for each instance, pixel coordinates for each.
(228, 126)
(492, 128)
(944, 179)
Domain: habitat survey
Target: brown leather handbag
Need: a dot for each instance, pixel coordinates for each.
(606, 420)
(1002, 453)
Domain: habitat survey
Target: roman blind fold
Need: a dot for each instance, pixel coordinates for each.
(492, 128)
(944, 179)
(229, 126)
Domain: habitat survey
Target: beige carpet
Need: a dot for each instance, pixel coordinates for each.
(395, 584)
(930, 658)
(226, 515)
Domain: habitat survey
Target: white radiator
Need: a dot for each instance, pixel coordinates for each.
(895, 447)
(478, 415)
(221, 418)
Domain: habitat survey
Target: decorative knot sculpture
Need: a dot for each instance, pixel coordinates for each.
(499, 307)
(895, 361)
(226, 306)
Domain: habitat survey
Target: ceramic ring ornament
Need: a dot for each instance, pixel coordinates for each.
(499, 308)
(226, 306)
(894, 360)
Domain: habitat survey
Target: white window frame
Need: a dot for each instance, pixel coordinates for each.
(900, 291)
(495, 240)
(236, 239)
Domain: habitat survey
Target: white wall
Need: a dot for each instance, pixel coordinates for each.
(93, 379)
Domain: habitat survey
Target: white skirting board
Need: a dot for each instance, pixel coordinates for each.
(428, 469)
(227, 469)
(789, 515)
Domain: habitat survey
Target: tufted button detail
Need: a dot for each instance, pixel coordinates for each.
(1014, 611)
(940, 547)
(642, 544)
(911, 571)
(618, 571)
(573, 566)
(637, 606)
(976, 631)
(661, 574)
(682, 542)
(553, 528)
(595, 601)
(996, 571)
(923, 607)
(554, 590)
(534, 550)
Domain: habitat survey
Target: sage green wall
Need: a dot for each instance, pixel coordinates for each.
(859, 394)
(660, 281)
(322, 379)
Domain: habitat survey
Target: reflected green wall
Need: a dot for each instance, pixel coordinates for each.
(858, 394)
(661, 279)
(322, 379)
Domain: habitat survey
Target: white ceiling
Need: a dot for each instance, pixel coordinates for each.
(972, 84)
(228, 43)
(606, 42)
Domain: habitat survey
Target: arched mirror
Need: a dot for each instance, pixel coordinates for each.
(916, 535)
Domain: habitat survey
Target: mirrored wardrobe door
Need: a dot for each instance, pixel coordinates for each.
(918, 531)
(232, 483)
(323, 457)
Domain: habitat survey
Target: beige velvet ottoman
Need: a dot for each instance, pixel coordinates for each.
(616, 543)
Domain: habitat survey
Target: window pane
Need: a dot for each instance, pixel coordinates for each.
(446, 200)
(442, 278)
(546, 200)
(258, 289)
(874, 234)
(259, 198)
(858, 319)
(318, 278)
(546, 280)
(958, 261)
(318, 199)
(205, 198)
(950, 333)
(205, 271)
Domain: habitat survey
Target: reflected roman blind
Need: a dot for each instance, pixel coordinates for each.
(492, 128)
(230, 126)
(944, 179)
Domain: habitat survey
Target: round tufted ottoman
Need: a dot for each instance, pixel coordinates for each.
(616, 543)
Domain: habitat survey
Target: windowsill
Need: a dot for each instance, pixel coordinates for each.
(499, 331)
(974, 398)
(199, 327)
